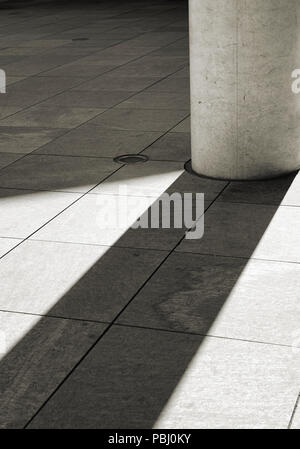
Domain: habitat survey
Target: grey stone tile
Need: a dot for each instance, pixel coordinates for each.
(155, 38)
(153, 178)
(183, 127)
(172, 146)
(69, 49)
(94, 141)
(186, 183)
(83, 35)
(8, 158)
(151, 66)
(257, 301)
(139, 119)
(96, 219)
(43, 115)
(112, 82)
(24, 211)
(122, 33)
(136, 379)
(32, 65)
(85, 286)
(179, 48)
(284, 191)
(25, 140)
(8, 59)
(80, 70)
(146, 179)
(71, 174)
(129, 377)
(162, 100)
(296, 419)
(7, 244)
(162, 237)
(155, 239)
(172, 85)
(22, 51)
(13, 40)
(183, 73)
(183, 28)
(107, 220)
(40, 353)
(5, 111)
(171, 51)
(89, 99)
(35, 89)
(44, 43)
(105, 56)
(126, 48)
(248, 230)
(239, 378)
(95, 43)
(14, 79)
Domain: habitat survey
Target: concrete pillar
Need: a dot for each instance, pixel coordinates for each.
(245, 118)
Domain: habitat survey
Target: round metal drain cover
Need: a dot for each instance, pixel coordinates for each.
(131, 158)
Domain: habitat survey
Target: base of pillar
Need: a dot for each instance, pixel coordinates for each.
(189, 169)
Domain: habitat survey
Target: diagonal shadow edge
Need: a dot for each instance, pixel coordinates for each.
(148, 408)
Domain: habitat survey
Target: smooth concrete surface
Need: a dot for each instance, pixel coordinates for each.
(245, 118)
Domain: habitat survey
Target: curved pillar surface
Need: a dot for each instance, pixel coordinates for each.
(245, 118)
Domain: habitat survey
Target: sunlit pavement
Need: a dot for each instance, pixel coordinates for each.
(114, 327)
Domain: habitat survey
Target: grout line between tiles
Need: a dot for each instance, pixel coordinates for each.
(109, 327)
(296, 406)
(88, 80)
(92, 118)
(176, 331)
(157, 329)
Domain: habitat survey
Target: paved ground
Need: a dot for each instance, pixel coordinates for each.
(122, 328)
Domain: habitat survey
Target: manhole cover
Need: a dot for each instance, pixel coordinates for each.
(131, 158)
